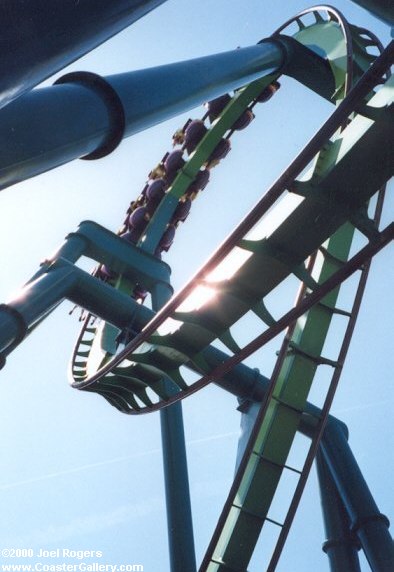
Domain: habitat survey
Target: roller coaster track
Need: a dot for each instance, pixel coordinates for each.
(244, 99)
(161, 357)
(193, 324)
(325, 203)
(302, 228)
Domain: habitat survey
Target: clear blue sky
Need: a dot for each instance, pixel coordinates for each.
(74, 472)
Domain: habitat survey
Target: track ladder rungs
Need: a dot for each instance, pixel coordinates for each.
(318, 360)
(304, 276)
(331, 257)
(334, 310)
(275, 464)
(288, 405)
(254, 514)
(227, 568)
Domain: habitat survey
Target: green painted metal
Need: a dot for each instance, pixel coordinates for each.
(281, 253)
(328, 35)
(242, 99)
(158, 223)
(265, 466)
(324, 209)
(273, 258)
(247, 508)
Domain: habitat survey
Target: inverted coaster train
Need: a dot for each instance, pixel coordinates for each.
(143, 349)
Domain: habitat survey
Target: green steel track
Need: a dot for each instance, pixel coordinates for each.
(241, 101)
(239, 295)
(310, 231)
(328, 205)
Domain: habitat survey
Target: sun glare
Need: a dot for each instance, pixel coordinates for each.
(226, 269)
(275, 217)
(198, 297)
(229, 265)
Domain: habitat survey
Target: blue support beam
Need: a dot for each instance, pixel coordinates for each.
(87, 116)
(60, 279)
(176, 478)
(341, 545)
(370, 526)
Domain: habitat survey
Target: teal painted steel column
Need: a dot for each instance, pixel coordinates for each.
(63, 281)
(87, 116)
(341, 545)
(367, 522)
(176, 479)
(32, 303)
(179, 516)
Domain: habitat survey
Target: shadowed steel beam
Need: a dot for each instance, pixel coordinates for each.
(368, 524)
(43, 294)
(176, 478)
(30, 305)
(41, 37)
(341, 545)
(382, 9)
(63, 281)
(87, 116)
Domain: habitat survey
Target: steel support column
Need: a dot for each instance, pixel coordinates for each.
(84, 115)
(31, 304)
(341, 545)
(176, 479)
(64, 281)
(367, 522)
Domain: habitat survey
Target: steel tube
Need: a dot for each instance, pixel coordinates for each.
(71, 250)
(51, 126)
(175, 88)
(176, 478)
(62, 281)
(341, 546)
(63, 121)
(368, 524)
(32, 303)
(9, 330)
(104, 301)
